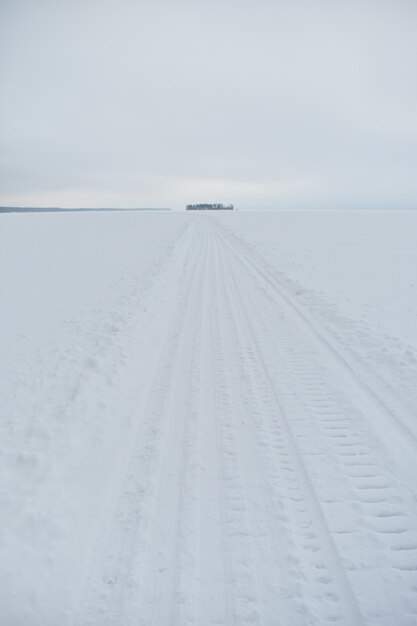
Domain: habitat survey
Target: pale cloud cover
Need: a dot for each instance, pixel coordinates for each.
(267, 103)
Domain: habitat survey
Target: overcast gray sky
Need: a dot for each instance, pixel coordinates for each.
(263, 103)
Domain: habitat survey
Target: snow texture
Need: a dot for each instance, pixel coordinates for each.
(208, 419)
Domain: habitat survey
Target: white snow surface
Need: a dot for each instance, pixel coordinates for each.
(208, 419)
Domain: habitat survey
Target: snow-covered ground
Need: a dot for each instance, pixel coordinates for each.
(208, 419)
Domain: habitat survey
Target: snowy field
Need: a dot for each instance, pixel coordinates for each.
(208, 419)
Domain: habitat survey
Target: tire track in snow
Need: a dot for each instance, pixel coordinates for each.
(367, 507)
(171, 564)
(215, 577)
(120, 572)
(240, 529)
(385, 508)
(313, 559)
(395, 426)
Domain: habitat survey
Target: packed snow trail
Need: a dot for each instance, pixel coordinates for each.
(260, 486)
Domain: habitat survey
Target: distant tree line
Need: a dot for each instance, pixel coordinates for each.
(209, 207)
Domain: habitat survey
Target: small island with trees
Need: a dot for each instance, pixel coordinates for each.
(209, 207)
